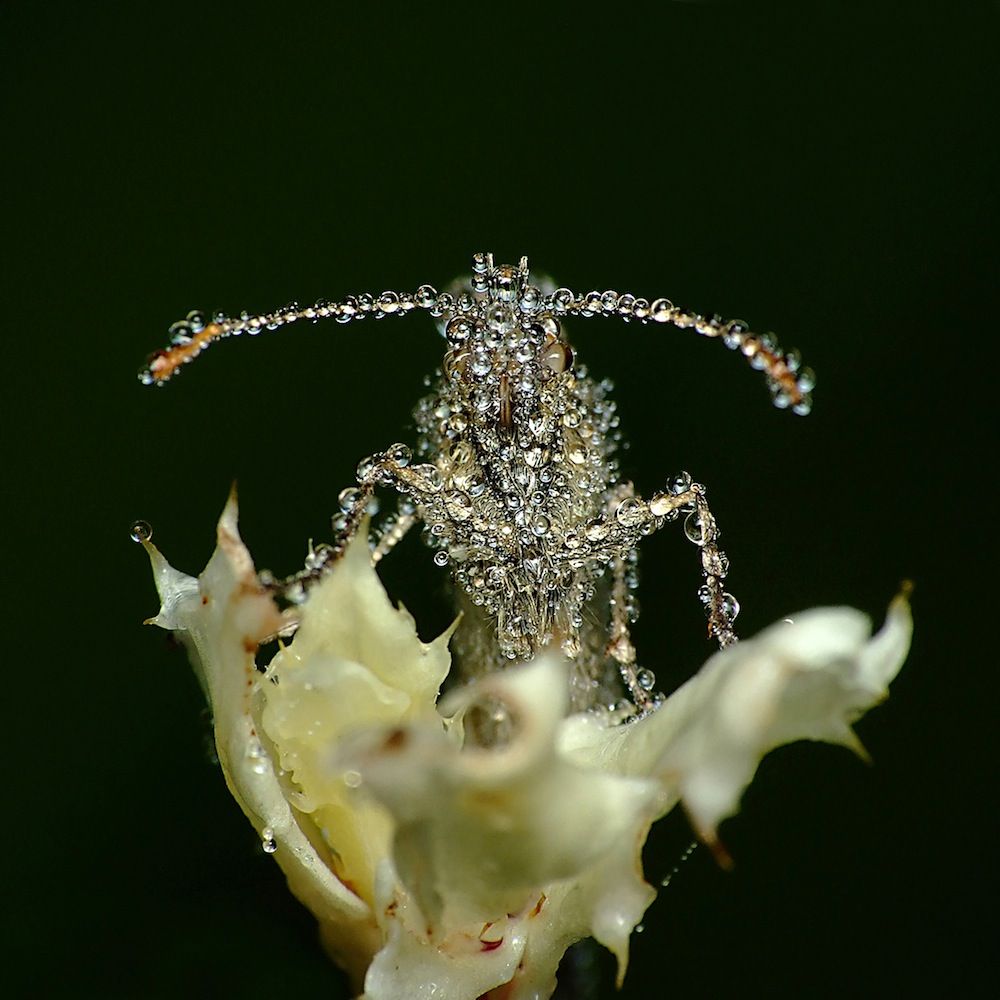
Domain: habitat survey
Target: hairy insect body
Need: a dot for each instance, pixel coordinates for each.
(525, 447)
(515, 474)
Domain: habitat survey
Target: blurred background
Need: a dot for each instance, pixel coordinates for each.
(825, 170)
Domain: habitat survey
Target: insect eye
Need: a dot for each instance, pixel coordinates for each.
(557, 357)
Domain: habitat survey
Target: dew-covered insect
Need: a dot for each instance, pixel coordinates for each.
(514, 473)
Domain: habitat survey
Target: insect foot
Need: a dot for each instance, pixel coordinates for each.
(514, 471)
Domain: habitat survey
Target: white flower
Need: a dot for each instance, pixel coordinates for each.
(440, 868)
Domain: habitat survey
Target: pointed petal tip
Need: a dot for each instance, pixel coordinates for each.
(720, 853)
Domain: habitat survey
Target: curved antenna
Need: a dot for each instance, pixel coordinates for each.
(789, 382)
(192, 335)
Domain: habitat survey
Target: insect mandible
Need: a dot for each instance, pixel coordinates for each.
(515, 477)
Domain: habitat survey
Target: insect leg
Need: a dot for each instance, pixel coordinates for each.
(638, 682)
(393, 534)
(391, 468)
(630, 518)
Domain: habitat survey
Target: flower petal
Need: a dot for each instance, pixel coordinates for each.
(221, 617)
(514, 831)
(807, 680)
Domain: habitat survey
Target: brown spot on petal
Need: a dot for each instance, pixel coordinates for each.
(396, 740)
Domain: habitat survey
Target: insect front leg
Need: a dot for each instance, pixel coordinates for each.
(419, 484)
(613, 539)
(394, 530)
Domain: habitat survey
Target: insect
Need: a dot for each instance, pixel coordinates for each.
(514, 473)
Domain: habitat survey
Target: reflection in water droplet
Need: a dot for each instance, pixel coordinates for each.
(141, 531)
(678, 484)
(349, 498)
(695, 528)
(540, 524)
(730, 607)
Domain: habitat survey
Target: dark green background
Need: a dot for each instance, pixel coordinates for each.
(828, 171)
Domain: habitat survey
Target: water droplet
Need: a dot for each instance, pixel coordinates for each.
(730, 607)
(352, 779)
(696, 529)
(366, 467)
(348, 498)
(267, 841)
(540, 524)
(631, 512)
(426, 477)
(806, 380)
(196, 318)
(646, 679)
(660, 310)
(180, 333)
(399, 453)
(441, 558)
(639, 928)
(597, 532)
(141, 531)
(678, 484)
(388, 302)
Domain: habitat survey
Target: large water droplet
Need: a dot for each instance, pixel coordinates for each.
(631, 512)
(540, 524)
(348, 499)
(197, 320)
(141, 531)
(696, 529)
(399, 453)
(678, 484)
(597, 532)
(730, 607)
(267, 841)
